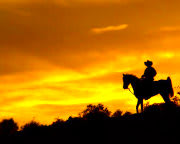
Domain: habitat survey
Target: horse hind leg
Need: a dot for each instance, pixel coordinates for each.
(137, 106)
(166, 98)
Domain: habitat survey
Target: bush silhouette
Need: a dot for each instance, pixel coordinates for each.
(30, 126)
(8, 127)
(161, 108)
(176, 99)
(58, 123)
(117, 114)
(127, 114)
(95, 112)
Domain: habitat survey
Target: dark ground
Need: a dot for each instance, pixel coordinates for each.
(159, 123)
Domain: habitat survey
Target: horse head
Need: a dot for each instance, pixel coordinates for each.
(129, 79)
(126, 81)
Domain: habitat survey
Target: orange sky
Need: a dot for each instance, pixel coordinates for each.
(57, 56)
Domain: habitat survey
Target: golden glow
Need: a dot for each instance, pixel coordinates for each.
(166, 55)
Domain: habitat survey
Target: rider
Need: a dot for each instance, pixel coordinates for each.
(150, 72)
(148, 77)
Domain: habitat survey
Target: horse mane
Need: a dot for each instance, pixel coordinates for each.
(133, 76)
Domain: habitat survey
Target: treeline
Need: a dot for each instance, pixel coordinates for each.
(96, 124)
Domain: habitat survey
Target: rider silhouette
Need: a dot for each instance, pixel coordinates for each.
(148, 78)
(149, 72)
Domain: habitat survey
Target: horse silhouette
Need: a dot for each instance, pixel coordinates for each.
(142, 91)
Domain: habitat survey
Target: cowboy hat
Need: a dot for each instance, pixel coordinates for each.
(148, 63)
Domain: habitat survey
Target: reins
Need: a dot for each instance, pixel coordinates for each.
(131, 91)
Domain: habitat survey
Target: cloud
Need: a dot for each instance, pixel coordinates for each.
(170, 28)
(109, 28)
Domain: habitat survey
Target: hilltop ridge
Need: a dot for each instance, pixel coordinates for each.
(158, 123)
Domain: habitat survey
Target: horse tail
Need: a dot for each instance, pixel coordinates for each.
(170, 87)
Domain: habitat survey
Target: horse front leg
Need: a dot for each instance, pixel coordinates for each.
(140, 101)
(137, 106)
(141, 105)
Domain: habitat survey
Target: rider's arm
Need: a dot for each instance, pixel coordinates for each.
(145, 73)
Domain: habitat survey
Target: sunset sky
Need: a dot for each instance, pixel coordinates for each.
(57, 56)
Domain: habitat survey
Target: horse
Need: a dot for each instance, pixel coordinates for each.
(143, 91)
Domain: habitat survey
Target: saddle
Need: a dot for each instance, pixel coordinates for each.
(147, 87)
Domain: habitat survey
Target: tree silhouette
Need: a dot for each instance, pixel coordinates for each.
(58, 123)
(31, 125)
(117, 113)
(127, 114)
(95, 112)
(8, 127)
(8, 131)
(32, 128)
